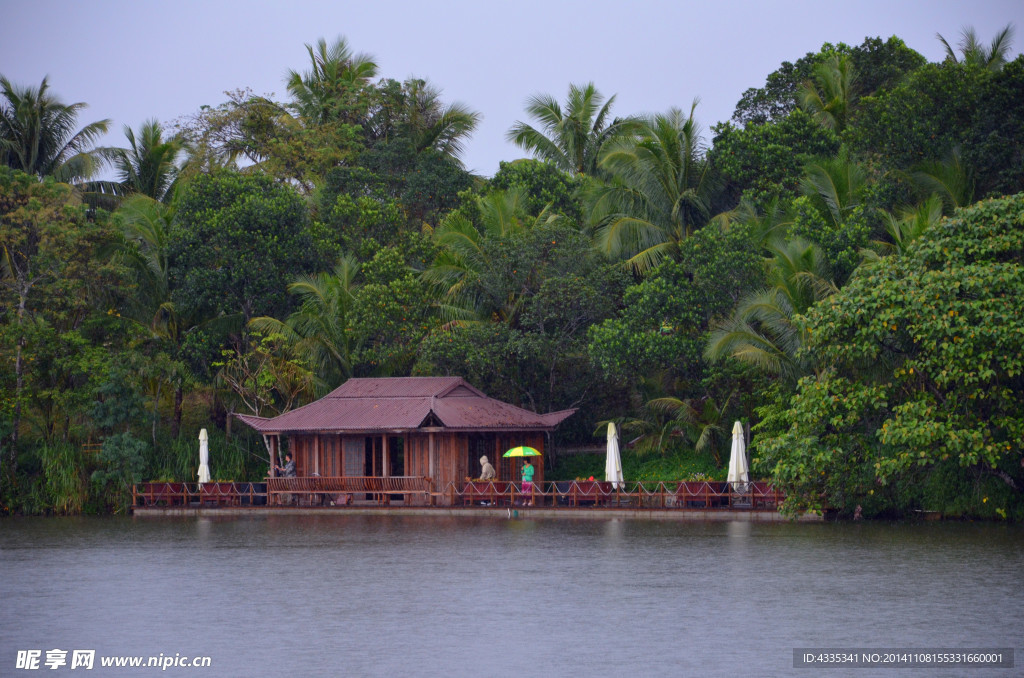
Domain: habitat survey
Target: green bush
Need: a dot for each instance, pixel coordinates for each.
(123, 464)
(677, 466)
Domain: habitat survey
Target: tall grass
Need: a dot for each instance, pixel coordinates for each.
(240, 458)
(66, 484)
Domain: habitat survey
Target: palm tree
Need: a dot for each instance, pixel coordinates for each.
(764, 226)
(37, 134)
(904, 228)
(949, 178)
(322, 94)
(145, 227)
(319, 332)
(455, 274)
(571, 139)
(145, 233)
(414, 110)
(149, 165)
(991, 58)
(762, 331)
(658, 190)
(830, 96)
(434, 125)
(699, 419)
(835, 185)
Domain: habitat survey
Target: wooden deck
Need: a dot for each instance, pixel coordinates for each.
(337, 493)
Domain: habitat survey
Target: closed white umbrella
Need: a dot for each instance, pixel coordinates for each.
(204, 457)
(613, 462)
(739, 472)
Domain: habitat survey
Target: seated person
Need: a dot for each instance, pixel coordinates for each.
(487, 471)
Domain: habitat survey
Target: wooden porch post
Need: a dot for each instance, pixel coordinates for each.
(341, 455)
(385, 454)
(275, 443)
(430, 464)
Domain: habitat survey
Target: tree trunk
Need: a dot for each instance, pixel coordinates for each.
(1008, 479)
(22, 285)
(19, 382)
(179, 396)
(156, 414)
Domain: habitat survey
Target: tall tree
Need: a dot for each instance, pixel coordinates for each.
(994, 149)
(880, 66)
(393, 310)
(336, 77)
(148, 166)
(974, 53)
(464, 258)
(763, 331)
(835, 185)
(830, 96)
(922, 376)
(658, 191)
(931, 111)
(51, 283)
(38, 135)
(236, 242)
(656, 342)
(545, 286)
(145, 227)
(319, 332)
(414, 109)
(571, 138)
(764, 162)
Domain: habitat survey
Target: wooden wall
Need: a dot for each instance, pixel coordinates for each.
(508, 468)
(417, 455)
(443, 457)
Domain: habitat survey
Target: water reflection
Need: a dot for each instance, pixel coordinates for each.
(383, 595)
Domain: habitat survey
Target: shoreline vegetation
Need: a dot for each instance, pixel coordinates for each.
(840, 267)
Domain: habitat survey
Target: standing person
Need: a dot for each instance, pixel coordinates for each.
(288, 470)
(528, 471)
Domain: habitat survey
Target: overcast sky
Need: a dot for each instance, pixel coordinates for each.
(139, 59)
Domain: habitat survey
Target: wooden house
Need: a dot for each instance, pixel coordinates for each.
(402, 433)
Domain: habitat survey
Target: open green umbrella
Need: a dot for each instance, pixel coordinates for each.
(522, 451)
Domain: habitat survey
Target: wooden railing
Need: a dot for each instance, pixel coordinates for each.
(341, 491)
(327, 490)
(598, 493)
(205, 494)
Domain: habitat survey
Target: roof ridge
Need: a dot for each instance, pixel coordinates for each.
(461, 381)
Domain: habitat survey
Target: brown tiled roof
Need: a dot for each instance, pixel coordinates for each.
(404, 404)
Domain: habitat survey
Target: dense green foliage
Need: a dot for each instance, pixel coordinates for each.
(922, 369)
(236, 242)
(817, 268)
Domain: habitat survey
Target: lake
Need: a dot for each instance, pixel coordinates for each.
(386, 595)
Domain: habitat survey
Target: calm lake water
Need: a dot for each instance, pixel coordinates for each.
(350, 595)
